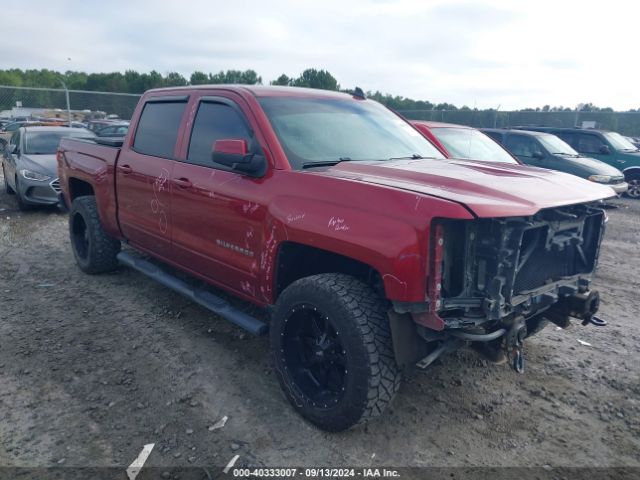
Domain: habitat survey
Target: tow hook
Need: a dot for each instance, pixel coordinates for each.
(514, 341)
(595, 321)
(518, 360)
(583, 306)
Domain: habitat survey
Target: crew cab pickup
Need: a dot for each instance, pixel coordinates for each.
(370, 251)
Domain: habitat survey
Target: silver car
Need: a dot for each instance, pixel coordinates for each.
(29, 164)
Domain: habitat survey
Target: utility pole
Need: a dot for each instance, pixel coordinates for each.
(66, 93)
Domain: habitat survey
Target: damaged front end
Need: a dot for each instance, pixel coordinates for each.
(493, 282)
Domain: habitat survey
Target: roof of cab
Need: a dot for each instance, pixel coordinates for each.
(517, 131)
(260, 90)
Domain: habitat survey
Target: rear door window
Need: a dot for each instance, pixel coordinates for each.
(158, 128)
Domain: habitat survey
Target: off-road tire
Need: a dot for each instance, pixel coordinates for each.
(633, 179)
(360, 316)
(99, 254)
(7, 188)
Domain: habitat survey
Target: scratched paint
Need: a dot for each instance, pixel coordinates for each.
(250, 207)
(338, 224)
(295, 217)
(396, 280)
(247, 237)
(246, 287)
(266, 262)
(160, 184)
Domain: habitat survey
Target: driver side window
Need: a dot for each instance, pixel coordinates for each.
(214, 121)
(521, 146)
(589, 143)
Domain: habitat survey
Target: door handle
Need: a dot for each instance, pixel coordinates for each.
(621, 161)
(125, 169)
(183, 182)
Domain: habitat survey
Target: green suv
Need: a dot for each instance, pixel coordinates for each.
(544, 150)
(609, 147)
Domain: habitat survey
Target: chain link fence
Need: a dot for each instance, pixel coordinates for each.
(627, 123)
(84, 105)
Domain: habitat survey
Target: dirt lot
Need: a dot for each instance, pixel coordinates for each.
(94, 367)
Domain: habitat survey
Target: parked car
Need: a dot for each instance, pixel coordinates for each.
(544, 150)
(29, 163)
(608, 147)
(119, 130)
(462, 142)
(635, 141)
(7, 130)
(370, 251)
(95, 125)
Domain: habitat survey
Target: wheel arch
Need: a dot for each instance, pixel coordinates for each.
(631, 171)
(297, 260)
(79, 188)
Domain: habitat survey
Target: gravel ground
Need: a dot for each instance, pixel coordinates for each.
(94, 367)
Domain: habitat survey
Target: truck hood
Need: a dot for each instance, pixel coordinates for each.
(487, 189)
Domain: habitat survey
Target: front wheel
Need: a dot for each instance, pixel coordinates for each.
(22, 204)
(7, 188)
(332, 350)
(634, 186)
(94, 250)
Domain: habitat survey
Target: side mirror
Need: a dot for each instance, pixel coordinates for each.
(14, 149)
(538, 154)
(605, 150)
(234, 153)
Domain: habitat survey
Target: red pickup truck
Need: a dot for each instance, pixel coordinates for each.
(371, 252)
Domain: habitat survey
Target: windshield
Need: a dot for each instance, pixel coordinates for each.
(555, 145)
(325, 130)
(470, 144)
(618, 141)
(46, 143)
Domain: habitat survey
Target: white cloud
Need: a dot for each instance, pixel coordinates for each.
(515, 54)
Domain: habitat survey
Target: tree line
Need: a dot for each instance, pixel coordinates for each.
(135, 82)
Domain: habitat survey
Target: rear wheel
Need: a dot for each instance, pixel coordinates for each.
(332, 349)
(93, 249)
(634, 185)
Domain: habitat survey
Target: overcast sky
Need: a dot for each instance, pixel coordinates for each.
(509, 53)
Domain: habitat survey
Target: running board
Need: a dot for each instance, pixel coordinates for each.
(207, 299)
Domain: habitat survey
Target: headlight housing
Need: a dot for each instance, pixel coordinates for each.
(31, 175)
(600, 178)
